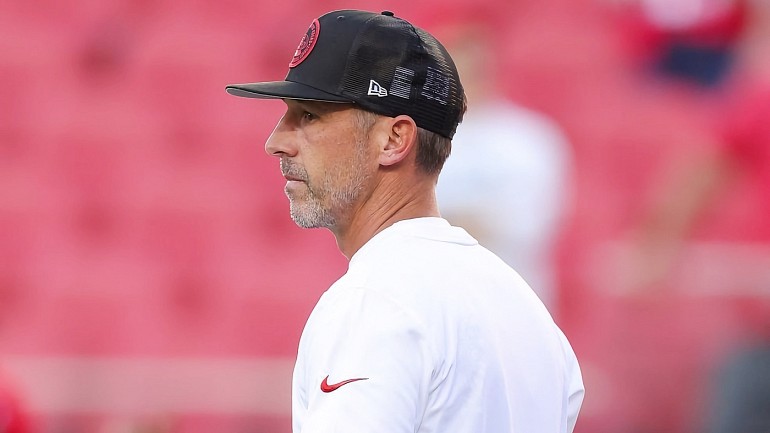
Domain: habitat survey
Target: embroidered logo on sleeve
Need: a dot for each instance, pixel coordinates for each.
(325, 387)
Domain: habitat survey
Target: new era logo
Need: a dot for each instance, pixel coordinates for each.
(376, 90)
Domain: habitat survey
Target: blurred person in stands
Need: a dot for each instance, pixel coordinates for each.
(727, 184)
(686, 41)
(427, 331)
(507, 182)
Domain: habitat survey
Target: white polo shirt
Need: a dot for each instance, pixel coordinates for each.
(428, 332)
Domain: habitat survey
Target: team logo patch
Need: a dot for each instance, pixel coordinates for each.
(306, 44)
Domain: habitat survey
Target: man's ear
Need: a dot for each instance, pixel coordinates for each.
(402, 139)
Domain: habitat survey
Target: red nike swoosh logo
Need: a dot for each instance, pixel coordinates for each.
(325, 387)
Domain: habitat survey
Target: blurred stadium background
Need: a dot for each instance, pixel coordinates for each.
(152, 281)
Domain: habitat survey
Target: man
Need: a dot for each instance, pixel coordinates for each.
(531, 167)
(717, 202)
(427, 331)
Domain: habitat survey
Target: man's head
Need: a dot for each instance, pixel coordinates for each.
(326, 157)
(364, 92)
(379, 62)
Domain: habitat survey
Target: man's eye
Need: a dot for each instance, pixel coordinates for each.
(308, 116)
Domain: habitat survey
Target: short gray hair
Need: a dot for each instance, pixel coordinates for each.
(432, 149)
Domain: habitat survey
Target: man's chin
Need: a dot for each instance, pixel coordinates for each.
(310, 220)
(305, 224)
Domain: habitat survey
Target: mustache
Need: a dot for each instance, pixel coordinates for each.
(290, 169)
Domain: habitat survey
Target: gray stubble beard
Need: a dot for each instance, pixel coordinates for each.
(313, 213)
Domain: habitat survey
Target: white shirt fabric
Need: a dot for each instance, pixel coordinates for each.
(446, 337)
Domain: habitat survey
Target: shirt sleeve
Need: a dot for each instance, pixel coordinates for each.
(574, 389)
(367, 339)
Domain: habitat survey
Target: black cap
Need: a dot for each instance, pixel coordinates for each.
(378, 61)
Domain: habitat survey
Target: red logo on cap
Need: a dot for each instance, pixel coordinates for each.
(306, 44)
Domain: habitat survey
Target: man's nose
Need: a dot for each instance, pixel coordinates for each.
(280, 141)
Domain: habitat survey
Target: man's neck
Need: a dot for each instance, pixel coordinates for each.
(391, 202)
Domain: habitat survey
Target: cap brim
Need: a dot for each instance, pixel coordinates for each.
(282, 90)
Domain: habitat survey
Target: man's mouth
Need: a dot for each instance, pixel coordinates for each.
(291, 172)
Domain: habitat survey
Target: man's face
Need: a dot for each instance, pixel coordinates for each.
(327, 160)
